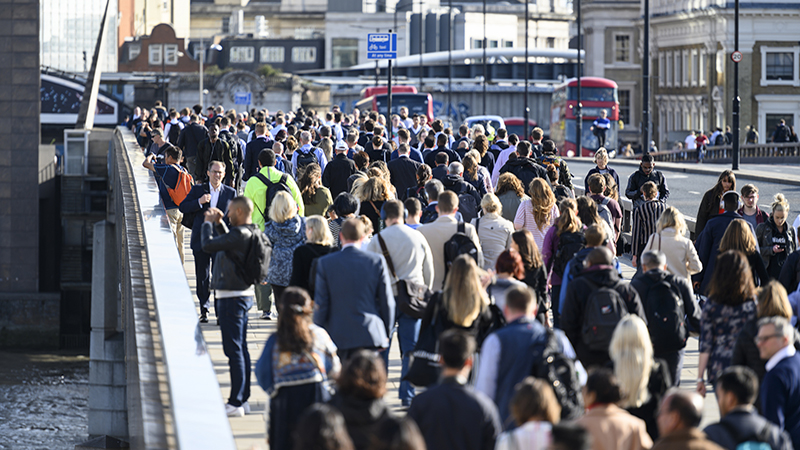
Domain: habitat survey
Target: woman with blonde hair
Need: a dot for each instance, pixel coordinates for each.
(319, 242)
(493, 230)
(286, 230)
(772, 301)
(739, 236)
(669, 239)
(776, 239)
(511, 194)
(372, 194)
(642, 378)
(539, 213)
(316, 197)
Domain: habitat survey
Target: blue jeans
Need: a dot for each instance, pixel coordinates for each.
(407, 329)
(233, 325)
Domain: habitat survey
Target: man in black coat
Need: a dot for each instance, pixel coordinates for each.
(736, 392)
(237, 151)
(454, 181)
(440, 170)
(441, 142)
(378, 148)
(339, 170)
(211, 194)
(654, 270)
(452, 415)
(213, 149)
(647, 172)
(254, 148)
(600, 272)
(524, 167)
(190, 137)
(403, 171)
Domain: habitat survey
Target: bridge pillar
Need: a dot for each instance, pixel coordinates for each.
(107, 378)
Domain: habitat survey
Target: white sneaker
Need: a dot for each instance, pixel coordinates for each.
(246, 407)
(234, 411)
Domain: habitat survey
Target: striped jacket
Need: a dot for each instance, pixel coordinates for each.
(644, 220)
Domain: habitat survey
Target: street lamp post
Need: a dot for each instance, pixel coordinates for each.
(202, 61)
(736, 100)
(449, 55)
(578, 111)
(527, 110)
(646, 81)
(485, 42)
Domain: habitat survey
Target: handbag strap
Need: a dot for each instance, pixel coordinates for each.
(386, 255)
(374, 207)
(659, 241)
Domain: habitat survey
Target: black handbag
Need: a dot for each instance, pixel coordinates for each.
(411, 298)
(424, 369)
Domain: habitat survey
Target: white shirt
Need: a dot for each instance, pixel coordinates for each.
(785, 352)
(691, 142)
(214, 195)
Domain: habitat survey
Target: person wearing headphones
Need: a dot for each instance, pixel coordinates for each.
(708, 241)
(409, 258)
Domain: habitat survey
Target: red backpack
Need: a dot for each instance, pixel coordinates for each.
(182, 186)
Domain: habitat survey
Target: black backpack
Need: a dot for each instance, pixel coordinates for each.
(468, 206)
(568, 245)
(304, 159)
(666, 317)
(272, 190)
(459, 244)
(720, 139)
(604, 308)
(558, 370)
(255, 267)
(428, 216)
(174, 133)
(419, 194)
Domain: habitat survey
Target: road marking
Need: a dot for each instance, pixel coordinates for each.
(694, 192)
(672, 177)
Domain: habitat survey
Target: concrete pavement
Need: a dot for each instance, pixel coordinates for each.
(250, 431)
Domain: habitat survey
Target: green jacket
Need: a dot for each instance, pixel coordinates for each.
(257, 192)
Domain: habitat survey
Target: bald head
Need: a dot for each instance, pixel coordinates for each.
(679, 410)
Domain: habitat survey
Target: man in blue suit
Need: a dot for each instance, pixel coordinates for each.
(358, 313)
(780, 390)
(212, 194)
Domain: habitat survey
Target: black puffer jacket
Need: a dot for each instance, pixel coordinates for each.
(235, 241)
(525, 169)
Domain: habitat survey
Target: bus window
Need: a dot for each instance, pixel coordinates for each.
(590, 94)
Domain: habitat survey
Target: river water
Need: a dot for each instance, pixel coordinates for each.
(44, 400)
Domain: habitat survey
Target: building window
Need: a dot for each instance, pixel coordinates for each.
(703, 68)
(780, 66)
(171, 54)
(226, 25)
(493, 44)
(133, 51)
(510, 44)
(242, 55)
(669, 69)
(685, 67)
(661, 69)
(695, 67)
(477, 43)
(551, 42)
(304, 54)
(677, 69)
(272, 54)
(622, 48)
(345, 53)
(154, 54)
(625, 106)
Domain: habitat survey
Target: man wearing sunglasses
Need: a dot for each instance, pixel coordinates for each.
(780, 396)
(646, 172)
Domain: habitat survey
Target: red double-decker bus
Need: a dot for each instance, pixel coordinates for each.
(597, 94)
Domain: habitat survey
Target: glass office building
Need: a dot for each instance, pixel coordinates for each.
(69, 30)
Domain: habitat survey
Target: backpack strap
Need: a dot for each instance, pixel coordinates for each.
(461, 228)
(386, 255)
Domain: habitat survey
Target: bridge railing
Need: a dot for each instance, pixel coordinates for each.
(770, 152)
(173, 396)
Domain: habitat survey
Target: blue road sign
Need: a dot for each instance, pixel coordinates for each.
(382, 46)
(243, 98)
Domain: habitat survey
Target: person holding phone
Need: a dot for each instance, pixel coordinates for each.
(776, 238)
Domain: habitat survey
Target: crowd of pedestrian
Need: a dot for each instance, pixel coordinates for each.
(503, 288)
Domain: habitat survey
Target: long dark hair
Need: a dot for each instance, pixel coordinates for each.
(587, 210)
(322, 427)
(528, 250)
(308, 181)
(294, 334)
(726, 175)
(731, 265)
